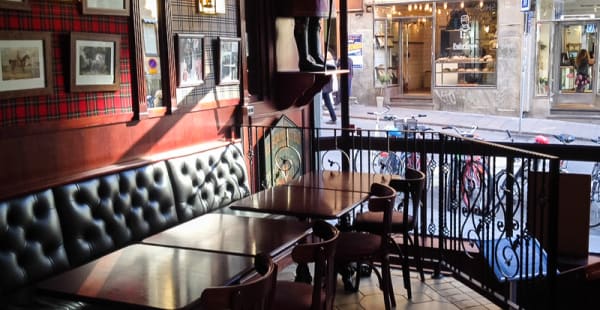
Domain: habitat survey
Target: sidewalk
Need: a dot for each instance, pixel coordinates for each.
(583, 132)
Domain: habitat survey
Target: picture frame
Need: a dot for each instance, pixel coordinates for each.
(26, 64)
(211, 6)
(95, 62)
(355, 5)
(190, 59)
(22, 5)
(228, 69)
(105, 7)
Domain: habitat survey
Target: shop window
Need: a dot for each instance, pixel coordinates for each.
(465, 49)
(543, 60)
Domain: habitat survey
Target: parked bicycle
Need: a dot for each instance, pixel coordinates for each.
(390, 162)
(474, 177)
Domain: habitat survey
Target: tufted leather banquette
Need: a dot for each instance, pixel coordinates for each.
(45, 233)
(31, 241)
(105, 213)
(204, 182)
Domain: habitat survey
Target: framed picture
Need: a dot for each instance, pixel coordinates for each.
(190, 59)
(211, 6)
(229, 61)
(26, 64)
(105, 7)
(95, 61)
(355, 5)
(22, 5)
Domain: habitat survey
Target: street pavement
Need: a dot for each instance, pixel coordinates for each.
(523, 129)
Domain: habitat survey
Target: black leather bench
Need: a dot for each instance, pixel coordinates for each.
(50, 231)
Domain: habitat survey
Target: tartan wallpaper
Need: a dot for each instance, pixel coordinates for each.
(186, 19)
(61, 18)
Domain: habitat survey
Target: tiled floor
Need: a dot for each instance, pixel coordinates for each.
(433, 294)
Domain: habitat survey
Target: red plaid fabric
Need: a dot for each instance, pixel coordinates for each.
(62, 18)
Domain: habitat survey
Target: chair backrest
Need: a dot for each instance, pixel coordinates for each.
(381, 199)
(415, 183)
(321, 252)
(256, 294)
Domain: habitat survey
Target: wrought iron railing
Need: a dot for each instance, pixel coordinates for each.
(489, 213)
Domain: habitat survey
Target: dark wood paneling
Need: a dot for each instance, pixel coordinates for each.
(42, 159)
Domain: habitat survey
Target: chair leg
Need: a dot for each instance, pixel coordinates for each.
(386, 285)
(405, 268)
(419, 257)
(391, 286)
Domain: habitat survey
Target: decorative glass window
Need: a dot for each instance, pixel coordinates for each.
(465, 49)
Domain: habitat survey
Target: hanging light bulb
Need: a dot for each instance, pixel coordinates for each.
(462, 4)
(426, 6)
(445, 5)
(410, 7)
(481, 4)
(420, 7)
(439, 11)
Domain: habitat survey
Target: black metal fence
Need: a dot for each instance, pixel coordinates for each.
(489, 214)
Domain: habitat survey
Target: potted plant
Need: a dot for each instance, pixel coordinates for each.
(384, 79)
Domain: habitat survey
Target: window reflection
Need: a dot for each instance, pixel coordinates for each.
(149, 16)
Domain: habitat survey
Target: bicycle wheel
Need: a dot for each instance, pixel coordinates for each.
(387, 163)
(475, 188)
(502, 190)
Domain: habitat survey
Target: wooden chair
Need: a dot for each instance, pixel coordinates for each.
(255, 294)
(320, 251)
(403, 221)
(367, 248)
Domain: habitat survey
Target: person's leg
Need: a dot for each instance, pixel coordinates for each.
(327, 99)
(305, 60)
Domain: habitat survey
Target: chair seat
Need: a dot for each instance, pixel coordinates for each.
(355, 245)
(372, 222)
(294, 296)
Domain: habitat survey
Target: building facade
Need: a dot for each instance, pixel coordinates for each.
(505, 57)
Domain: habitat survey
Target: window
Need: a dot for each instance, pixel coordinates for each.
(151, 53)
(465, 52)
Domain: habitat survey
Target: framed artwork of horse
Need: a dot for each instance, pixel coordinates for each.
(26, 63)
(95, 62)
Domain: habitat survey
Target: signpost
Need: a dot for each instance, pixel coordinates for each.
(526, 5)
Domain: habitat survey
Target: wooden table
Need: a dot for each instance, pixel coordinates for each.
(302, 202)
(150, 276)
(233, 234)
(341, 180)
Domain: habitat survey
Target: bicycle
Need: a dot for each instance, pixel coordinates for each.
(474, 177)
(383, 162)
(564, 139)
(388, 162)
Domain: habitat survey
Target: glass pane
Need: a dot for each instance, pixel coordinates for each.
(149, 15)
(543, 58)
(466, 43)
(567, 9)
